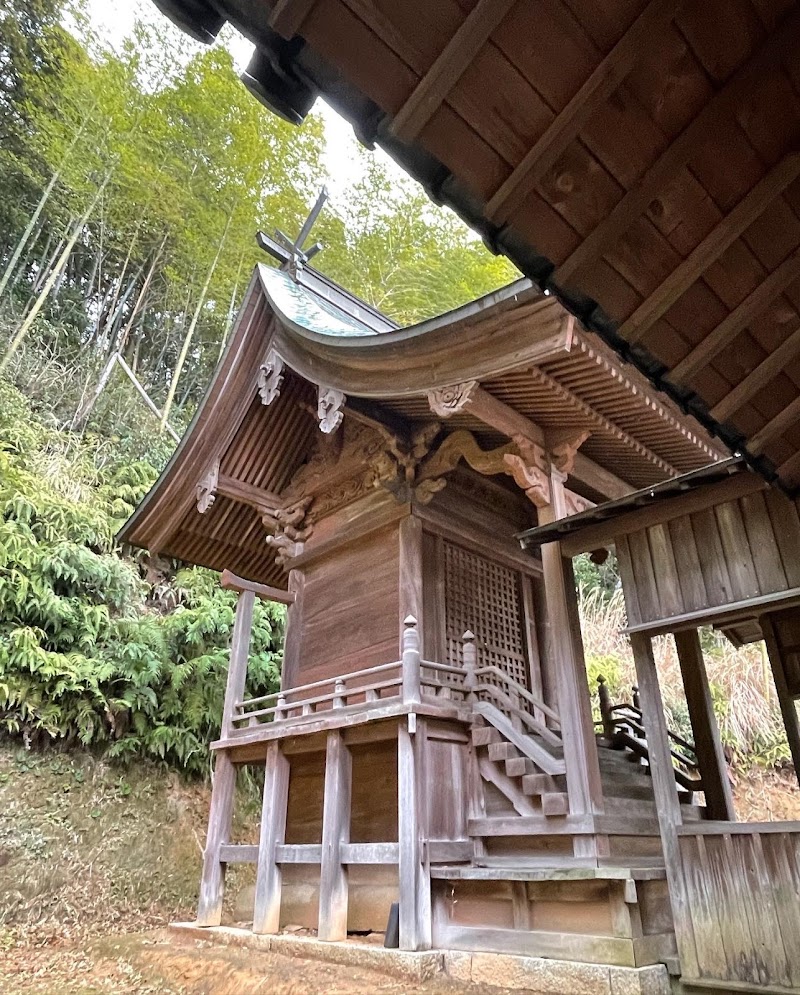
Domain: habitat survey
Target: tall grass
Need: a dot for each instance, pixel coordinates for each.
(741, 681)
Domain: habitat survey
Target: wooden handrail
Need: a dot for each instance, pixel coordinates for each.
(507, 704)
(522, 691)
(231, 582)
(368, 672)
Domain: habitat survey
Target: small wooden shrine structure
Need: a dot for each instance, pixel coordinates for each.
(432, 743)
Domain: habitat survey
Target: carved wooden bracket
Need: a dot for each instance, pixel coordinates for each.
(447, 401)
(270, 377)
(206, 489)
(330, 408)
(289, 530)
(563, 444)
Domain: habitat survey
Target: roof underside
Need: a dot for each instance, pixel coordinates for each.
(521, 346)
(639, 159)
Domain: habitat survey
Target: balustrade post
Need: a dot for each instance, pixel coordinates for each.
(280, 707)
(637, 703)
(606, 713)
(469, 658)
(411, 661)
(338, 693)
(237, 666)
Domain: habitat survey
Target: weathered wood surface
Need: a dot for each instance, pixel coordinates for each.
(212, 882)
(743, 906)
(267, 910)
(741, 551)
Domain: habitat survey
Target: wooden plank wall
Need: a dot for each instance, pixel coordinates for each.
(731, 552)
(742, 900)
(351, 606)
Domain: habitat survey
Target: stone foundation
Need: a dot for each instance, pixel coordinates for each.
(535, 975)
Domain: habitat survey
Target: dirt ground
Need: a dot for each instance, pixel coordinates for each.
(159, 963)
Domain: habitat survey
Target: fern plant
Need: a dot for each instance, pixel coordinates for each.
(88, 653)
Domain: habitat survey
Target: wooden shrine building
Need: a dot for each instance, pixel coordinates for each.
(432, 743)
(638, 161)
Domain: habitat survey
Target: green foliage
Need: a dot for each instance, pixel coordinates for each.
(86, 653)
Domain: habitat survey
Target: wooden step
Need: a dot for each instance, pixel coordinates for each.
(502, 751)
(537, 784)
(485, 735)
(555, 803)
(520, 766)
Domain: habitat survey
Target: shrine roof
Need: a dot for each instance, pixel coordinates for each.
(297, 336)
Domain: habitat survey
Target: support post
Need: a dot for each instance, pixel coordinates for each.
(333, 884)
(411, 571)
(415, 890)
(665, 791)
(237, 667)
(267, 908)
(584, 787)
(708, 747)
(212, 882)
(411, 662)
(785, 700)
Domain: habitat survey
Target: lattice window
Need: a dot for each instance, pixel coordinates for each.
(484, 596)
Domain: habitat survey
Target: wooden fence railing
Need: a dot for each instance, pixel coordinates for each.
(623, 727)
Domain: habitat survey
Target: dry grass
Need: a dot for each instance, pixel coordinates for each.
(741, 681)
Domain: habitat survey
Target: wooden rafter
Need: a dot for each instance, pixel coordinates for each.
(449, 67)
(781, 43)
(288, 15)
(598, 87)
(595, 419)
(758, 378)
(723, 235)
(788, 416)
(727, 330)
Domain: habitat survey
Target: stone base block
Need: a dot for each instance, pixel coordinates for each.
(542, 976)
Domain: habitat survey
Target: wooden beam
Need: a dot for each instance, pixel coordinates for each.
(288, 15)
(414, 881)
(212, 882)
(501, 416)
(267, 908)
(256, 497)
(781, 43)
(606, 483)
(237, 662)
(765, 372)
(785, 700)
(603, 532)
(665, 792)
(783, 420)
(564, 129)
(231, 582)
(723, 235)
(333, 883)
(727, 330)
(708, 746)
(449, 67)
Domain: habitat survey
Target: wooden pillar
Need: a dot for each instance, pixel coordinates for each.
(267, 909)
(584, 786)
(294, 621)
(237, 667)
(708, 747)
(212, 882)
(410, 571)
(333, 886)
(414, 878)
(785, 700)
(665, 792)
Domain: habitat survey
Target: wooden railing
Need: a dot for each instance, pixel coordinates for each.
(623, 728)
